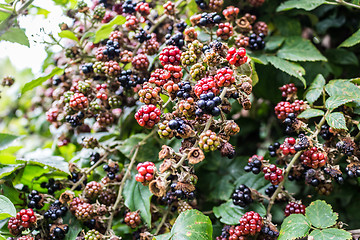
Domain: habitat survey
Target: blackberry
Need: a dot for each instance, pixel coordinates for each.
(142, 36)
(224, 233)
(209, 141)
(288, 90)
(175, 40)
(147, 116)
(273, 174)
(242, 196)
(181, 26)
(145, 173)
(254, 164)
(261, 28)
(94, 157)
(175, 193)
(99, 12)
(208, 19)
(302, 142)
(92, 190)
(93, 235)
(55, 211)
(59, 233)
(112, 49)
(325, 132)
(289, 121)
(208, 104)
(128, 7)
(84, 212)
(184, 90)
(26, 217)
(132, 219)
(272, 149)
(107, 197)
(129, 80)
(14, 226)
(74, 178)
(353, 170)
(216, 5)
(87, 68)
(269, 232)
(256, 42)
(197, 71)
(201, 4)
(177, 125)
(111, 169)
(346, 147)
(74, 120)
(294, 208)
(271, 190)
(250, 223)
(35, 200)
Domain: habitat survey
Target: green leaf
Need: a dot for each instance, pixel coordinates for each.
(37, 82)
(342, 56)
(315, 89)
(341, 88)
(75, 226)
(351, 41)
(68, 34)
(294, 226)
(330, 234)
(336, 120)
(2, 237)
(300, 4)
(320, 214)
(165, 236)
(106, 29)
(336, 101)
(290, 68)
(310, 113)
(6, 140)
(9, 169)
(3, 16)
(7, 208)
(274, 42)
(138, 197)
(16, 35)
(255, 181)
(229, 213)
(299, 49)
(192, 224)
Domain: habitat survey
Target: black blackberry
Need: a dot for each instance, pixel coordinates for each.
(142, 36)
(289, 121)
(325, 132)
(177, 125)
(353, 170)
(94, 157)
(206, 48)
(56, 80)
(55, 211)
(242, 196)
(209, 19)
(184, 90)
(256, 42)
(224, 233)
(272, 149)
(254, 166)
(175, 40)
(346, 147)
(75, 120)
(35, 200)
(302, 143)
(201, 4)
(235, 95)
(74, 178)
(59, 233)
(129, 80)
(175, 194)
(271, 190)
(87, 68)
(208, 104)
(128, 6)
(91, 224)
(181, 26)
(269, 233)
(52, 185)
(111, 170)
(112, 49)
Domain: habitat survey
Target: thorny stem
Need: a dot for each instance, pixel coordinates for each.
(127, 174)
(288, 168)
(163, 220)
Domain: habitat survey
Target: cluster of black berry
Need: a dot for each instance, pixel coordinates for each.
(271, 190)
(35, 200)
(75, 177)
(224, 233)
(177, 125)
(311, 178)
(142, 36)
(201, 4)
(302, 143)
(256, 42)
(345, 148)
(52, 185)
(59, 233)
(175, 40)
(209, 19)
(208, 104)
(175, 194)
(112, 49)
(184, 90)
(325, 132)
(55, 211)
(242, 196)
(181, 26)
(111, 170)
(129, 80)
(87, 68)
(75, 120)
(353, 170)
(269, 233)
(254, 165)
(128, 6)
(94, 157)
(56, 80)
(289, 121)
(272, 149)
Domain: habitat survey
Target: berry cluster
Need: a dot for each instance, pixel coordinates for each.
(224, 77)
(146, 172)
(209, 141)
(242, 196)
(111, 169)
(35, 200)
(206, 85)
(254, 164)
(273, 174)
(132, 219)
(314, 158)
(55, 211)
(236, 57)
(170, 55)
(147, 116)
(256, 42)
(208, 104)
(92, 190)
(250, 224)
(225, 31)
(287, 148)
(176, 193)
(294, 208)
(288, 90)
(26, 217)
(282, 109)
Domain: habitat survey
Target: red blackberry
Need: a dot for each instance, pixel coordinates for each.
(254, 164)
(175, 72)
(78, 101)
(131, 23)
(288, 90)
(147, 116)
(250, 223)
(84, 211)
(256, 3)
(273, 174)
(132, 219)
(314, 158)
(236, 57)
(126, 56)
(159, 77)
(224, 77)
(143, 8)
(231, 12)
(208, 104)
(261, 28)
(205, 85)
(145, 172)
(140, 62)
(242, 41)
(288, 146)
(171, 87)
(148, 94)
(190, 34)
(52, 114)
(116, 36)
(170, 55)
(105, 119)
(26, 217)
(294, 208)
(225, 31)
(242, 196)
(216, 5)
(14, 226)
(151, 46)
(92, 190)
(169, 8)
